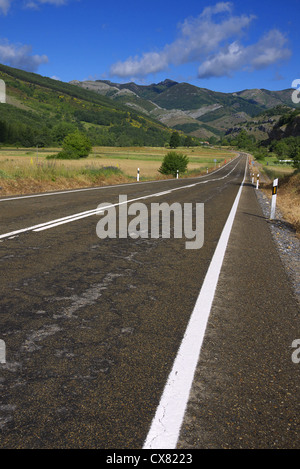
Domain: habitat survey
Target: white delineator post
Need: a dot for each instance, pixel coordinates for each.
(177, 174)
(257, 181)
(274, 195)
(138, 174)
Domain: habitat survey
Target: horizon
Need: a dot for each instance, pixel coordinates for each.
(221, 46)
(177, 82)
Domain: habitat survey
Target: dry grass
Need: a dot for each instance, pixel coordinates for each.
(24, 171)
(288, 199)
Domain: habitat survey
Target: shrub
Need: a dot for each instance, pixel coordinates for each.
(78, 144)
(75, 145)
(174, 162)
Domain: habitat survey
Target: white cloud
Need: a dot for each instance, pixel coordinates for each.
(151, 62)
(212, 39)
(36, 3)
(5, 6)
(20, 56)
(269, 50)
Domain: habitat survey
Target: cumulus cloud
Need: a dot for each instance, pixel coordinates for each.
(212, 39)
(151, 62)
(269, 50)
(20, 56)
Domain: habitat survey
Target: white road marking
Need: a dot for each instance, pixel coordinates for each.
(77, 216)
(166, 424)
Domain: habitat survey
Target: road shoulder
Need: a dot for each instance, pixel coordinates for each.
(246, 386)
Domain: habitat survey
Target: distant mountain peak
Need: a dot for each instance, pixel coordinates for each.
(167, 82)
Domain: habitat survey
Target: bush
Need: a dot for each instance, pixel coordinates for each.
(174, 162)
(75, 145)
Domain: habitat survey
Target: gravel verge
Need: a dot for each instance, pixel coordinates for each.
(286, 241)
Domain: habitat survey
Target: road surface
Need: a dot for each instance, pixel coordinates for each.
(92, 326)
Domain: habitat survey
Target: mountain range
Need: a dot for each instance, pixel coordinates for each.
(42, 111)
(197, 111)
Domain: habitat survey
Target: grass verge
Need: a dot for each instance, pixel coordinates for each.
(288, 198)
(26, 171)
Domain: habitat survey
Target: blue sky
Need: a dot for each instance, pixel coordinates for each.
(223, 46)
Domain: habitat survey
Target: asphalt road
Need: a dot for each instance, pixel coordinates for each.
(92, 326)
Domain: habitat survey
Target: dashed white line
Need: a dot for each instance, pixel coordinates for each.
(78, 216)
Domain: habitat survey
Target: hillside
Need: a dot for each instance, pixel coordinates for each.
(42, 111)
(196, 111)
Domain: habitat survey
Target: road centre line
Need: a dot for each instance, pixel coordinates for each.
(86, 189)
(166, 424)
(77, 216)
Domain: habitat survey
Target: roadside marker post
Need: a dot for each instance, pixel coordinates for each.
(177, 174)
(138, 174)
(252, 178)
(274, 195)
(257, 181)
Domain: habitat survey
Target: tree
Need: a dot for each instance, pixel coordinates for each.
(295, 154)
(174, 162)
(75, 145)
(61, 130)
(188, 142)
(174, 140)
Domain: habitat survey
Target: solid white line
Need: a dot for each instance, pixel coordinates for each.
(78, 216)
(165, 427)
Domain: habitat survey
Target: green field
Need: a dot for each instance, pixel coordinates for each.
(273, 169)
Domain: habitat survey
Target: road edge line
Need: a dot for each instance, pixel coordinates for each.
(166, 424)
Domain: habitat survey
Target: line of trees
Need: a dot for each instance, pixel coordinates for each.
(285, 148)
(52, 134)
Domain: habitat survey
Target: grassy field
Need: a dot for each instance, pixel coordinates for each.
(273, 169)
(24, 171)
